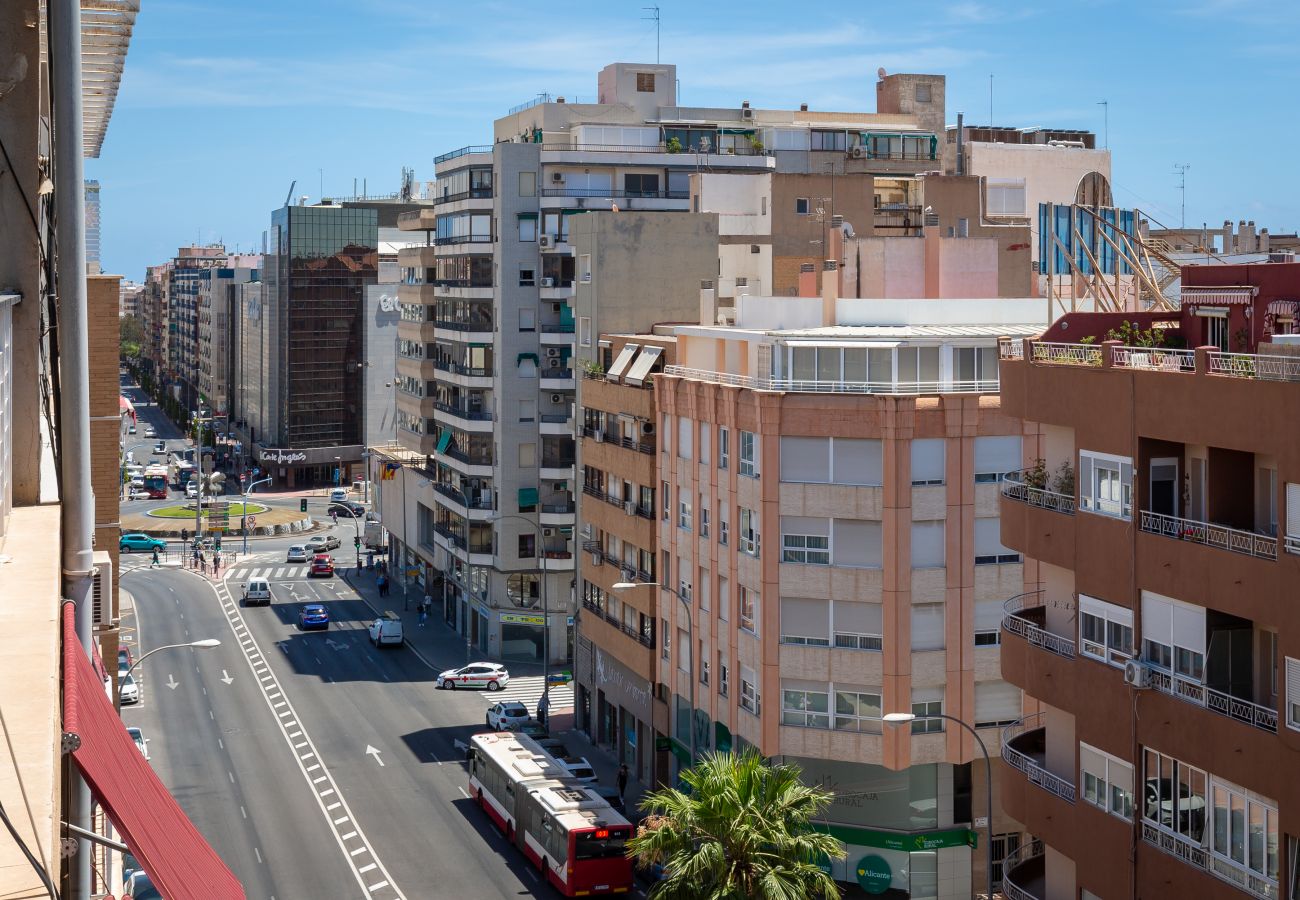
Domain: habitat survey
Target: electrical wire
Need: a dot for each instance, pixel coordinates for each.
(36, 863)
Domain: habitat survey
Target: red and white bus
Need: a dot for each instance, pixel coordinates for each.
(155, 482)
(568, 831)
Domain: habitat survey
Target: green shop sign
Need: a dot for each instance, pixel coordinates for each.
(874, 874)
(902, 842)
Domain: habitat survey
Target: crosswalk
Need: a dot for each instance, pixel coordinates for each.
(270, 573)
(528, 690)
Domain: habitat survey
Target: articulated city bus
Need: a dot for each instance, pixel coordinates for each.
(155, 482)
(180, 471)
(567, 830)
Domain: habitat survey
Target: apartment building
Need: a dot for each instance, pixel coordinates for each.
(1157, 639)
(92, 227)
(181, 376)
(213, 312)
(489, 325)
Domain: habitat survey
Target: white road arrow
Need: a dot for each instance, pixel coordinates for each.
(225, 676)
(334, 645)
(375, 753)
(172, 682)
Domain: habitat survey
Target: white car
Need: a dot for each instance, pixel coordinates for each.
(149, 432)
(140, 740)
(297, 553)
(139, 493)
(506, 716)
(579, 769)
(129, 691)
(338, 494)
(323, 542)
(492, 676)
(191, 491)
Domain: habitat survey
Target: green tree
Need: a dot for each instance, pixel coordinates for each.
(130, 336)
(743, 832)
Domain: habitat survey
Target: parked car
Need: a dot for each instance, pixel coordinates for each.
(348, 509)
(387, 629)
(554, 746)
(136, 542)
(191, 490)
(506, 716)
(124, 660)
(313, 615)
(129, 691)
(534, 729)
(130, 429)
(578, 768)
(141, 741)
(257, 591)
(297, 553)
(160, 447)
(322, 542)
(323, 565)
(338, 495)
(492, 676)
(609, 794)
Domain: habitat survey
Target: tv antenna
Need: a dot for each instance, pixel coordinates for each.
(1181, 169)
(653, 17)
(1105, 112)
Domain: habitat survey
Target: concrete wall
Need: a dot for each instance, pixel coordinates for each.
(106, 427)
(898, 94)
(952, 198)
(793, 234)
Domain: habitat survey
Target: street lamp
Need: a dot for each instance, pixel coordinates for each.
(690, 647)
(902, 718)
(356, 526)
(205, 644)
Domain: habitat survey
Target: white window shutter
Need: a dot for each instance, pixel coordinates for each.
(997, 454)
(988, 615)
(1293, 509)
(996, 701)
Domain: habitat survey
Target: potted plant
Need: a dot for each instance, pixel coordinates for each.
(1063, 481)
(1036, 477)
(674, 145)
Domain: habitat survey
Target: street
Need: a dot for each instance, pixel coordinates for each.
(316, 764)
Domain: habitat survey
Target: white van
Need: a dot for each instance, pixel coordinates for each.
(257, 592)
(387, 629)
(338, 494)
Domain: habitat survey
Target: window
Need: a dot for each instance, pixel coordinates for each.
(995, 456)
(527, 231)
(527, 546)
(988, 544)
(1105, 631)
(749, 609)
(704, 516)
(923, 92)
(801, 206)
(668, 504)
(858, 543)
(724, 600)
(527, 456)
(1245, 829)
(683, 513)
(857, 461)
(704, 663)
(857, 625)
(1107, 781)
(527, 410)
(527, 277)
(806, 459)
(927, 461)
(805, 704)
(723, 675)
(858, 709)
(927, 702)
(684, 654)
(928, 544)
(663, 629)
(528, 188)
(830, 140)
(805, 540)
(584, 331)
(685, 430)
(645, 82)
(1173, 636)
(584, 267)
(988, 623)
(1004, 197)
(1294, 868)
(1293, 517)
(927, 626)
(748, 454)
(805, 621)
(636, 184)
(724, 448)
(749, 536)
(1173, 796)
(528, 322)
(1106, 484)
(1293, 693)
(997, 703)
(683, 585)
(749, 697)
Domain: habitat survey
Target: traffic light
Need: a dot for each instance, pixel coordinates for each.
(302, 504)
(356, 542)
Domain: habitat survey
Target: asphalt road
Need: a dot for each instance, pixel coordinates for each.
(342, 756)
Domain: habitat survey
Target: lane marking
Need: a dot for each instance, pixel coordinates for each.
(231, 776)
(462, 792)
(350, 834)
(243, 812)
(334, 805)
(357, 851)
(366, 868)
(259, 854)
(220, 744)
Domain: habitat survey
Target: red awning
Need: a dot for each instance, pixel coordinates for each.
(179, 861)
(124, 404)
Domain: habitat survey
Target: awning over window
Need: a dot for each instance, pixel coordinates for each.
(528, 215)
(620, 362)
(527, 497)
(530, 356)
(179, 861)
(1218, 296)
(443, 441)
(644, 363)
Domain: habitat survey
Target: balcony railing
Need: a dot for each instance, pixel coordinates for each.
(558, 508)
(1014, 487)
(553, 374)
(461, 283)
(605, 437)
(462, 239)
(1024, 873)
(1261, 546)
(834, 387)
(1033, 631)
(685, 152)
(457, 369)
(557, 327)
(614, 193)
(1262, 367)
(456, 325)
(1262, 717)
(463, 151)
(1024, 731)
(481, 193)
(1066, 354)
(1253, 366)
(1154, 358)
(1011, 348)
(481, 501)
(476, 415)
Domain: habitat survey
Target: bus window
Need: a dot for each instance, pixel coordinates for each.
(603, 843)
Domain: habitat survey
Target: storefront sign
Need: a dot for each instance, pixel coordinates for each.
(621, 686)
(874, 874)
(283, 457)
(517, 619)
(915, 842)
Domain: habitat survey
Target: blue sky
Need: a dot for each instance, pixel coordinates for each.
(223, 105)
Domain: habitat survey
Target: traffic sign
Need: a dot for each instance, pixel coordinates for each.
(252, 521)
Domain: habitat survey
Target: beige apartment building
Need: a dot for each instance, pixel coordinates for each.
(827, 505)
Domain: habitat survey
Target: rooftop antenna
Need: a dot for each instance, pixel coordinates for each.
(990, 100)
(654, 17)
(1181, 169)
(1105, 112)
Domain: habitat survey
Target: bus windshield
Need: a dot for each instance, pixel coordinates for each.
(602, 843)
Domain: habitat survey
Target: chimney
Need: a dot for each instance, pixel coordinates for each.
(807, 280)
(830, 290)
(803, 107)
(961, 163)
(708, 303)
(1263, 240)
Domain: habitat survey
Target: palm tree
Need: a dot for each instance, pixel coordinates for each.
(743, 832)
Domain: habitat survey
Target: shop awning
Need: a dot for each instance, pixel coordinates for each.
(527, 497)
(443, 441)
(641, 368)
(620, 362)
(179, 861)
(126, 406)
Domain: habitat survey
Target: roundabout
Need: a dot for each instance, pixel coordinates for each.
(186, 510)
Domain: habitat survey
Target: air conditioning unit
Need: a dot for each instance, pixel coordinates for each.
(557, 398)
(858, 152)
(548, 282)
(1135, 674)
(552, 351)
(557, 177)
(746, 113)
(548, 532)
(629, 507)
(647, 428)
(600, 437)
(555, 362)
(545, 241)
(102, 601)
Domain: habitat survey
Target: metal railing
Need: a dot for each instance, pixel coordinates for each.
(463, 151)
(1261, 546)
(553, 374)
(1014, 487)
(1036, 772)
(1020, 867)
(456, 325)
(481, 193)
(1031, 631)
(558, 327)
(989, 386)
(660, 147)
(479, 415)
(614, 193)
(1197, 855)
(457, 369)
(1257, 366)
(1262, 717)
(1154, 358)
(1011, 348)
(559, 508)
(462, 239)
(1066, 354)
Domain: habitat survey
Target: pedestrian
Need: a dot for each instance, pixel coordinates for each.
(622, 780)
(155, 559)
(544, 706)
(424, 615)
(427, 601)
(216, 564)
(380, 582)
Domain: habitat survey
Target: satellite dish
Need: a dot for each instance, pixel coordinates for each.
(880, 73)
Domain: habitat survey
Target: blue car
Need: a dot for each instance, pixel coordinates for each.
(140, 543)
(313, 615)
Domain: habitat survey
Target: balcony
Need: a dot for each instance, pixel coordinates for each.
(1235, 540)
(1024, 873)
(463, 151)
(1262, 717)
(1016, 487)
(476, 507)
(634, 649)
(788, 385)
(605, 437)
(555, 424)
(462, 418)
(1038, 522)
(1024, 747)
(1026, 617)
(557, 379)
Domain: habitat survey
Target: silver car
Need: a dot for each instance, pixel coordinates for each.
(297, 553)
(322, 542)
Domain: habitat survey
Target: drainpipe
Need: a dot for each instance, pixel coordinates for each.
(74, 367)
